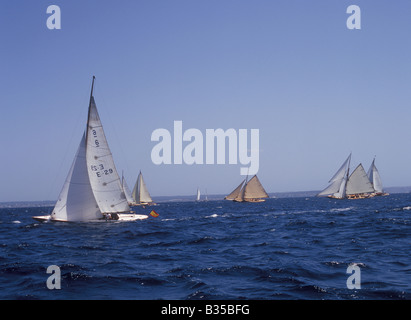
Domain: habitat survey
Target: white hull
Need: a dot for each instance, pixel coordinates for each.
(121, 217)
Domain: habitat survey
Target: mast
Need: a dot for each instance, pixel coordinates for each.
(89, 106)
(344, 194)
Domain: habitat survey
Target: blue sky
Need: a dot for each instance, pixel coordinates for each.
(315, 90)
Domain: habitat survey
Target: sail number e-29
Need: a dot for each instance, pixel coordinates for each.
(99, 169)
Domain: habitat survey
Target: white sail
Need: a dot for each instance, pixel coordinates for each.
(198, 194)
(359, 182)
(234, 194)
(76, 201)
(140, 192)
(254, 189)
(126, 190)
(335, 189)
(104, 179)
(338, 181)
(375, 178)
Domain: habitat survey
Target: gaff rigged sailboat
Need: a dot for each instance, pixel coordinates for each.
(140, 194)
(248, 191)
(346, 186)
(93, 189)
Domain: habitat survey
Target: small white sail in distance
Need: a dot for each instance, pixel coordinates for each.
(198, 194)
(140, 193)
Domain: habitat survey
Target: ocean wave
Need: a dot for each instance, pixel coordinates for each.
(287, 249)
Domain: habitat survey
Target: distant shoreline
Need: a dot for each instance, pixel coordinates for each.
(159, 199)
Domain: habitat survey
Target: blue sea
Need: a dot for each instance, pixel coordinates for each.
(284, 248)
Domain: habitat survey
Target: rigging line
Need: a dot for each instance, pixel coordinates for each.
(69, 146)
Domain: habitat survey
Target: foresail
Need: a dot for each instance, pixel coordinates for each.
(104, 179)
(341, 173)
(76, 201)
(332, 188)
(126, 190)
(233, 195)
(338, 182)
(254, 189)
(358, 182)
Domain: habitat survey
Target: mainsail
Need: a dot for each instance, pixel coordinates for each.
(359, 182)
(254, 190)
(140, 192)
(92, 189)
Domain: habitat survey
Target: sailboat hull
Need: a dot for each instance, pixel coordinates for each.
(121, 217)
(143, 204)
(248, 200)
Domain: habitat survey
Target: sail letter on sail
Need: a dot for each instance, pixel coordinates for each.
(105, 181)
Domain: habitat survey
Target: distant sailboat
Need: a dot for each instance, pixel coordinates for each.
(198, 194)
(93, 190)
(140, 194)
(375, 179)
(248, 191)
(346, 186)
